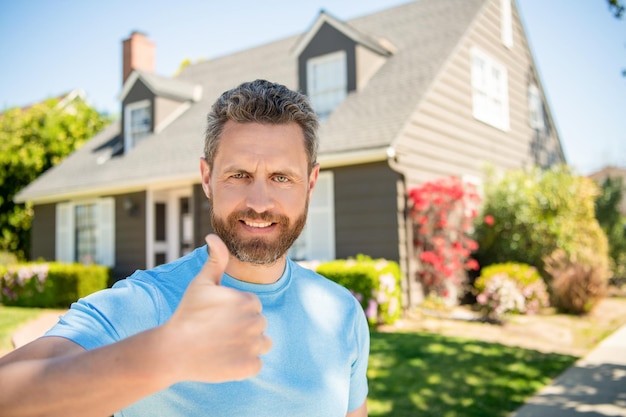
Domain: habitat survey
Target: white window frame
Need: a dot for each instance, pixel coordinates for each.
(327, 81)
(490, 91)
(506, 23)
(133, 136)
(65, 243)
(317, 240)
(535, 108)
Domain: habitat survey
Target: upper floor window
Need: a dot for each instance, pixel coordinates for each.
(506, 23)
(327, 82)
(535, 108)
(490, 97)
(137, 123)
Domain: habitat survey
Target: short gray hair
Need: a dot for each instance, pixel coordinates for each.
(262, 101)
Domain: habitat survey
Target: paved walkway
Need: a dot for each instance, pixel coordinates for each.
(595, 386)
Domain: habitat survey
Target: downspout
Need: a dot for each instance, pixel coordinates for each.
(405, 263)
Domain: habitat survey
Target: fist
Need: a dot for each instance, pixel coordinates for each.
(217, 332)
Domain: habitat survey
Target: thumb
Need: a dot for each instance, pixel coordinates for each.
(216, 263)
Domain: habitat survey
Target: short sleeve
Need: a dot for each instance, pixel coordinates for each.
(358, 377)
(110, 315)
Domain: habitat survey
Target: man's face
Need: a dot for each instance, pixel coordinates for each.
(259, 189)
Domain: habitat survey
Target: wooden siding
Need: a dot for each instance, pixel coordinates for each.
(130, 234)
(201, 215)
(138, 92)
(443, 138)
(366, 211)
(42, 235)
(327, 40)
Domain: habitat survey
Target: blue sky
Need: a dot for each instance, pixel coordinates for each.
(53, 46)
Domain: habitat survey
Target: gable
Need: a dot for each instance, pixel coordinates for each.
(327, 40)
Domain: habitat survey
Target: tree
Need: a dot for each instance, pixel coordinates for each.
(611, 221)
(616, 7)
(534, 212)
(32, 140)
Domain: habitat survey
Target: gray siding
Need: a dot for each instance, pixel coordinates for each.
(137, 93)
(130, 234)
(366, 211)
(201, 215)
(327, 40)
(42, 234)
(443, 138)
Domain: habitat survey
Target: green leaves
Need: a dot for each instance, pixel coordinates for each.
(33, 140)
(536, 212)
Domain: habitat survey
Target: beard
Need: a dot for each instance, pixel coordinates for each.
(258, 250)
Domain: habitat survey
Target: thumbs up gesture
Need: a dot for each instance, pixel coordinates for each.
(216, 333)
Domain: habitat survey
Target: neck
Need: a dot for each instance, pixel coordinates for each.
(256, 274)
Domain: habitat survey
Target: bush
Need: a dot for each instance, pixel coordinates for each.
(374, 282)
(49, 285)
(576, 287)
(533, 212)
(614, 225)
(443, 212)
(511, 288)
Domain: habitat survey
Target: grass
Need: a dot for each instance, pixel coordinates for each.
(10, 319)
(431, 375)
(418, 373)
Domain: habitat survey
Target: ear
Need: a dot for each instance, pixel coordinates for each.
(315, 172)
(205, 172)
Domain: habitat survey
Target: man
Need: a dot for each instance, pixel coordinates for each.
(238, 331)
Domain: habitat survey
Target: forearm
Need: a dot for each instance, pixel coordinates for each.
(88, 383)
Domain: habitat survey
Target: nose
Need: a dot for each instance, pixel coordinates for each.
(259, 196)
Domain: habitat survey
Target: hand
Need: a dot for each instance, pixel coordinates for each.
(216, 333)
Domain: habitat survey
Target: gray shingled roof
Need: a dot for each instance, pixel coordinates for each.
(424, 34)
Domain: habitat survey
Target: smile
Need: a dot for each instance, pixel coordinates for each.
(257, 225)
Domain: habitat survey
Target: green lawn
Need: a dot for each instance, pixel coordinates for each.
(10, 319)
(421, 374)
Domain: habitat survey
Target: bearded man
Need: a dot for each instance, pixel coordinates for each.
(234, 328)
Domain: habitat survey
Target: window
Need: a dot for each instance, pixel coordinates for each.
(327, 82)
(506, 23)
(535, 108)
(85, 232)
(317, 241)
(137, 123)
(490, 95)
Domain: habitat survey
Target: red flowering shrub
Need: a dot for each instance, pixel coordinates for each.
(443, 212)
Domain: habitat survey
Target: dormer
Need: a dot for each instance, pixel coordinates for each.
(335, 59)
(149, 102)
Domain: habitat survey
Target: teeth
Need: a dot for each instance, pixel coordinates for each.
(259, 225)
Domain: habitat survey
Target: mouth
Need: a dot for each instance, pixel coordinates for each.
(257, 224)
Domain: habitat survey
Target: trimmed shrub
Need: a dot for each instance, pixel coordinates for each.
(374, 282)
(576, 287)
(534, 212)
(49, 285)
(511, 288)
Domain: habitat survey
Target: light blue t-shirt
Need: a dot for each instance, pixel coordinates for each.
(316, 367)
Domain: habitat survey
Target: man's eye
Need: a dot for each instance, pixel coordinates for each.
(239, 175)
(281, 178)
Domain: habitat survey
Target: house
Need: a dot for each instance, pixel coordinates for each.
(614, 173)
(423, 90)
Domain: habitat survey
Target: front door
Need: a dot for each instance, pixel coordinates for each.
(170, 226)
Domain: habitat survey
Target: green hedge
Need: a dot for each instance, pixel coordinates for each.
(374, 282)
(49, 285)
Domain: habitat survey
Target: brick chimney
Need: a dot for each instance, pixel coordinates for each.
(138, 54)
